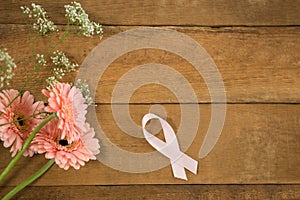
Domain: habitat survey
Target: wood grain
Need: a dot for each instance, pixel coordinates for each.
(205, 192)
(259, 144)
(161, 12)
(255, 44)
(257, 65)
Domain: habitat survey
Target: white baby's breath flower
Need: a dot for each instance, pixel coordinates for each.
(84, 88)
(77, 16)
(41, 23)
(62, 65)
(7, 66)
(41, 62)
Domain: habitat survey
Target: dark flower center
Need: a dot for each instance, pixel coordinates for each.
(21, 124)
(63, 142)
(20, 121)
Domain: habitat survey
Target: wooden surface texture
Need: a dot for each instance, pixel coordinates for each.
(169, 192)
(179, 12)
(255, 45)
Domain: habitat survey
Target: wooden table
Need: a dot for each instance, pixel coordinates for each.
(255, 45)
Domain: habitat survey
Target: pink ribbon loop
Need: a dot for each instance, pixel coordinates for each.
(170, 148)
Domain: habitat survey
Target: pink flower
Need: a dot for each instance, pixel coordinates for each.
(49, 140)
(68, 103)
(18, 119)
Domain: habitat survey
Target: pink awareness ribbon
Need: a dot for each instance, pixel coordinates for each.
(170, 148)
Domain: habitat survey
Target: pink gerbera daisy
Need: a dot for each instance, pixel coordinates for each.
(17, 119)
(68, 103)
(65, 153)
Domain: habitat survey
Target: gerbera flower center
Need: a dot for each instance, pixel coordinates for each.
(20, 121)
(21, 124)
(63, 142)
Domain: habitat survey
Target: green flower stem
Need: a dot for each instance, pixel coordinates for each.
(22, 119)
(29, 180)
(25, 146)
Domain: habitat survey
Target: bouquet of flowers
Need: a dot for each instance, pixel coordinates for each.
(58, 127)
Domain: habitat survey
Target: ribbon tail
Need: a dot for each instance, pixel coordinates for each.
(178, 171)
(188, 163)
(170, 148)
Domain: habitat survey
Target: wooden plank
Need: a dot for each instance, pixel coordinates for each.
(259, 144)
(160, 192)
(256, 64)
(151, 12)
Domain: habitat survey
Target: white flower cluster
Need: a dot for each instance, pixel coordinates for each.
(77, 16)
(7, 66)
(84, 88)
(41, 62)
(62, 66)
(42, 24)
